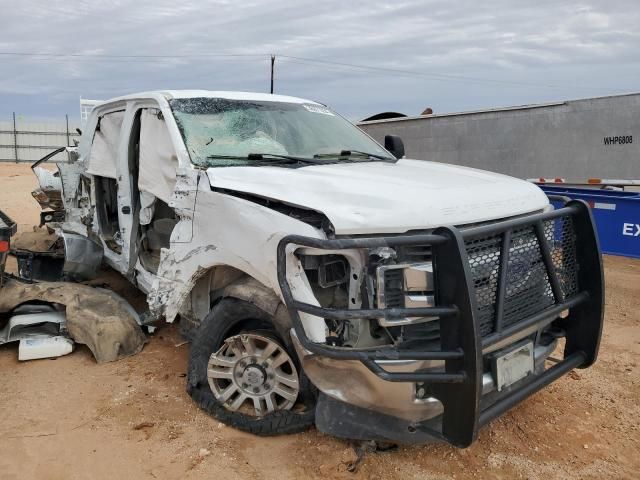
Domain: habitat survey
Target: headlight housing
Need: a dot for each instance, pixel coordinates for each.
(409, 285)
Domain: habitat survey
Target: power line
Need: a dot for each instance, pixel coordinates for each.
(303, 60)
(101, 55)
(142, 60)
(435, 76)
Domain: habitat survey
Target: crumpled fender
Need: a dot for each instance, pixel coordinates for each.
(97, 318)
(251, 290)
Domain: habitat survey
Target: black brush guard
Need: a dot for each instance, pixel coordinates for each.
(459, 387)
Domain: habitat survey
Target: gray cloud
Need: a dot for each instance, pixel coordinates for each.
(472, 54)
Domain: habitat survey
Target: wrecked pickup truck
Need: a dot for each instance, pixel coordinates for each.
(325, 278)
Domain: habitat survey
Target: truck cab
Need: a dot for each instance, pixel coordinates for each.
(324, 278)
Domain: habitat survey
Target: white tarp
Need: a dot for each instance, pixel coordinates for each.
(158, 159)
(104, 150)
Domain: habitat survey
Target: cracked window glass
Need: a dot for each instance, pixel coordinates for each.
(215, 127)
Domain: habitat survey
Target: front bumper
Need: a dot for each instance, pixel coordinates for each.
(351, 382)
(465, 335)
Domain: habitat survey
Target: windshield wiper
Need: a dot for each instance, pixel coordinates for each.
(265, 158)
(350, 153)
(276, 156)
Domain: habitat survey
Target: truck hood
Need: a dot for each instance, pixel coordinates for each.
(378, 197)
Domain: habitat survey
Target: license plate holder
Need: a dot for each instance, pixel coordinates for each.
(512, 365)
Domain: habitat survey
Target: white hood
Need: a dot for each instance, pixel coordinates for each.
(378, 197)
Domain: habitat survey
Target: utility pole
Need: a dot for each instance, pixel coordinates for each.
(273, 62)
(68, 140)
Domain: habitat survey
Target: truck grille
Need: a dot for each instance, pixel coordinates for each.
(528, 290)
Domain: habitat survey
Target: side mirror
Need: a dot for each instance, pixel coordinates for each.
(395, 145)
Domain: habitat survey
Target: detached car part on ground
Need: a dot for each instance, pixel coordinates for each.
(47, 317)
(97, 318)
(322, 277)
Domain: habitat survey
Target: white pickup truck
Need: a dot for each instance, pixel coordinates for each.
(324, 278)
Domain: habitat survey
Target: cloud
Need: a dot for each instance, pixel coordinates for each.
(471, 54)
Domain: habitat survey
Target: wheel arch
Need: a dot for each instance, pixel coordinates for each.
(225, 281)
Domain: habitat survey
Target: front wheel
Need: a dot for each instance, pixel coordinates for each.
(241, 373)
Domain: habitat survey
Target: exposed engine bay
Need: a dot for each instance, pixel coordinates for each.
(386, 278)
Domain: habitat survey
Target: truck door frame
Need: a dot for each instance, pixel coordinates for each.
(111, 257)
(128, 192)
(126, 262)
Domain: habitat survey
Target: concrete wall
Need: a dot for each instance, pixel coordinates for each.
(565, 139)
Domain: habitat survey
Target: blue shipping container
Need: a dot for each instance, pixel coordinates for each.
(617, 216)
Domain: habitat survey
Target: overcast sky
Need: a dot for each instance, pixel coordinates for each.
(453, 55)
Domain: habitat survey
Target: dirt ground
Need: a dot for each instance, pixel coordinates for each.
(70, 418)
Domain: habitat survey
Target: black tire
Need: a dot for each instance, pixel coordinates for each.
(230, 317)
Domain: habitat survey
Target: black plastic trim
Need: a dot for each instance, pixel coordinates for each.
(47, 157)
(10, 227)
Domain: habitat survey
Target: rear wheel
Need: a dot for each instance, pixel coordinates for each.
(241, 372)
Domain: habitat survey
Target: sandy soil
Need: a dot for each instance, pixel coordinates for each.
(70, 418)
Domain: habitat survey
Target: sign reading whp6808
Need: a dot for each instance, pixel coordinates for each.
(622, 140)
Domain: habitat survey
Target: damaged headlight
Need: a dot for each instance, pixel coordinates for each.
(328, 276)
(332, 270)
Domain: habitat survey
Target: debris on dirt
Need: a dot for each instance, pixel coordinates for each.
(34, 435)
(145, 428)
(37, 328)
(366, 447)
(97, 318)
(37, 240)
(38, 347)
(143, 425)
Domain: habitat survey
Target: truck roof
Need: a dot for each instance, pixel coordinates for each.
(230, 95)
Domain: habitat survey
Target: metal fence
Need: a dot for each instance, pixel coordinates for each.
(27, 140)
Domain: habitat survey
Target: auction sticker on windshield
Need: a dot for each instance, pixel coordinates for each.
(318, 109)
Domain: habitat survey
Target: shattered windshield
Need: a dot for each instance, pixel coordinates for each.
(220, 132)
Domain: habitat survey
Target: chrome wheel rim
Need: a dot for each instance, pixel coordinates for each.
(254, 374)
